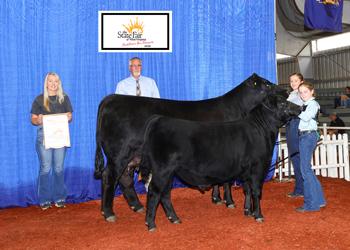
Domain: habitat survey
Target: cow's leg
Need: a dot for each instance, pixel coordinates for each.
(215, 195)
(248, 199)
(228, 195)
(166, 204)
(108, 185)
(156, 190)
(153, 199)
(256, 187)
(126, 183)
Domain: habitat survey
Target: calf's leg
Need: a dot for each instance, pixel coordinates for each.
(216, 199)
(166, 204)
(248, 199)
(153, 199)
(228, 195)
(215, 195)
(160, 185)
(257, 194)
(126, 183)
(108, 185)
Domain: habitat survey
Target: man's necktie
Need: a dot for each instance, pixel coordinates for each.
(138, 90)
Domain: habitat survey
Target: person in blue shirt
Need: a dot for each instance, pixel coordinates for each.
(292, 135)
(313, 193)
(137, 85)
(147, 86)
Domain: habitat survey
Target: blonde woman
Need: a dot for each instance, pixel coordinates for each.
(53, 101)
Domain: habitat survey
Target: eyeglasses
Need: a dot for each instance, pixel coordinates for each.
(132, 66)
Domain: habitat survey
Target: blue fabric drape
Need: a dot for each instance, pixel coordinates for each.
(216, 45)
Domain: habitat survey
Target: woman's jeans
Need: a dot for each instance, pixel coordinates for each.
(47, 158)
(294, 147)
(345, 103)
(313, 193)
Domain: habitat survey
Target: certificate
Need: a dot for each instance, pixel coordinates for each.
(56, 131)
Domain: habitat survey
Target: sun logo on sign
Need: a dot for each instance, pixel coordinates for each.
(135, 25)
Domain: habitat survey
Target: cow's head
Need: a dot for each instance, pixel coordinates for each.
(284, 110)
(263, 86)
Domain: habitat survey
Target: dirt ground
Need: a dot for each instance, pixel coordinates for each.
(204, 225)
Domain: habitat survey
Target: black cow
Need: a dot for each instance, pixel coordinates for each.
(120, 131)
(204, 154)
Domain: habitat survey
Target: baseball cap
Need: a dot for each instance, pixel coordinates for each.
(332, 114)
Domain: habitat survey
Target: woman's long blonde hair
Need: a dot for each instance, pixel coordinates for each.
(59, 91)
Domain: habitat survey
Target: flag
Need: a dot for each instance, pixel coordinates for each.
(324, 15)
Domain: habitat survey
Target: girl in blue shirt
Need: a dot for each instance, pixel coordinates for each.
(313, 193)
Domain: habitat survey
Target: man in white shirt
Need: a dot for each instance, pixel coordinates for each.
(137, 84)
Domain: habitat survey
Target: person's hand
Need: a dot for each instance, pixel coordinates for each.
(39, 119)
(70, 116)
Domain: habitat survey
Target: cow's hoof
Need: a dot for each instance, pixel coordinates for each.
(247, 212)
(231, 206)
(217, 202)
(141, 210)
(112, 218)
(174, 220)
(260, 220)
(152, 229)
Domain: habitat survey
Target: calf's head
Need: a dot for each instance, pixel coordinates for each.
(284, 110)
(263, 86)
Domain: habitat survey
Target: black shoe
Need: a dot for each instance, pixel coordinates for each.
(294, 195)
(46, 206)
(302, 210)
(60, 204)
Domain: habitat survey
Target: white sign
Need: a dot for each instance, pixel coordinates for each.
(56, 131)
(136, 31)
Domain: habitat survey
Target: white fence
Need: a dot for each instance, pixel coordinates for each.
(330, 158)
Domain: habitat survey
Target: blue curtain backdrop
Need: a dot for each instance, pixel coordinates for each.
(216, 45)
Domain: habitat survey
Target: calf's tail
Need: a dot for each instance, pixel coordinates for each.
(99, 160)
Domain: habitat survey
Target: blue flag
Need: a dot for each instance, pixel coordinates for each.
(324, 15)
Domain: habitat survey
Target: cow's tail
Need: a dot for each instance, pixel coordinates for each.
(145, 166)
(99, 160)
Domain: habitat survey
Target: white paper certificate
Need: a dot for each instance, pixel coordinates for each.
(56, 131)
